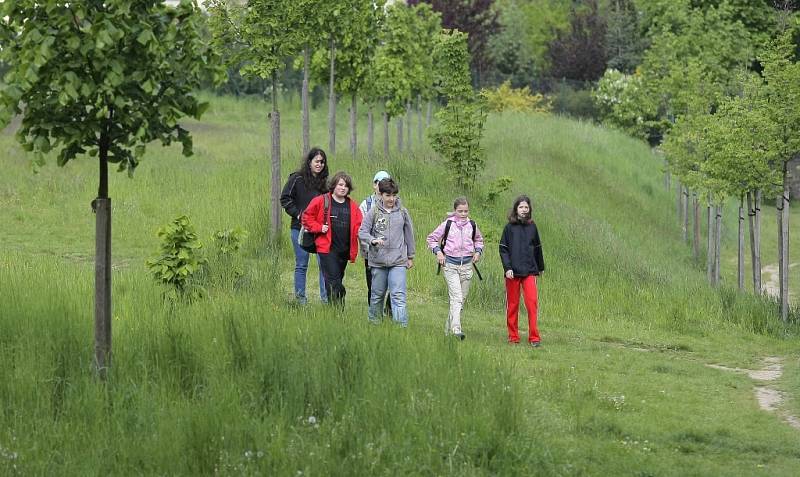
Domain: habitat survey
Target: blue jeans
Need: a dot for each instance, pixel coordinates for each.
(392, 279)
(301, 269)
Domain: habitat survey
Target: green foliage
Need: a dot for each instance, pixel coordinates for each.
(622, 103)
(506, 98)
(257, 35)
(781, 73)
(510, 50)
(451, 63)
(496, 189)
(229, 241)
(457, 138)
(403, 66)
(102, 77)
(179, 260)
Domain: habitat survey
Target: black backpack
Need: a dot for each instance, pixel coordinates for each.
(447, 232)
(306, 239)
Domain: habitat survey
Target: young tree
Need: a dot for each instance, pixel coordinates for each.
(357, 49)
(624, 44)
(259, 35)
(102, 79)
(458, 134)
(781, 73)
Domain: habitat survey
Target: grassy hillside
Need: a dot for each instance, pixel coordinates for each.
(242, 382)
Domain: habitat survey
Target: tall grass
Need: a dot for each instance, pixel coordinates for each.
(244, 383)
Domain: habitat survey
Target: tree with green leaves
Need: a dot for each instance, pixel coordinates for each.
(259, 36)
(457, 136)
(781, 73)
(392, 71)
(103, 79)
(354, 58)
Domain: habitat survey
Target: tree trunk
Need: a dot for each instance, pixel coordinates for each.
(332, 102)
(409, 129)
(428, 114)
(717, 242)
(275, 185)
(370, 132)
(353, 126)
(696, 227)
(685, 214)
(304, 98)
(755, 260)
(419, 119)
(783, 247)
(400, 133)
(102, 269)
(679, 202)
(740, 247)
(710, 243)
(385, 135)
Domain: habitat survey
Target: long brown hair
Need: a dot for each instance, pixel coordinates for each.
(513, 218)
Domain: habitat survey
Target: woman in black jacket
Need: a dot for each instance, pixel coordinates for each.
(303, 185)
(521, 254)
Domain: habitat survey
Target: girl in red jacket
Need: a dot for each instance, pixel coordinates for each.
(335, 220)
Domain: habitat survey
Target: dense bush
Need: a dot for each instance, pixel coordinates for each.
(506, 98)
(574, 102)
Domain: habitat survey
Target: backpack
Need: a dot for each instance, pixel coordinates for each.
(305, 239)
(447, 232)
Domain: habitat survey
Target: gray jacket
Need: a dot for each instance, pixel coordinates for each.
(395, 228)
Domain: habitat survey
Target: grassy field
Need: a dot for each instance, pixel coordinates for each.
(244, 383)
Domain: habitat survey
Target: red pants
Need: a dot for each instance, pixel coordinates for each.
(512, 307)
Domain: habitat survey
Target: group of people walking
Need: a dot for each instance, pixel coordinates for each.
(381, 229)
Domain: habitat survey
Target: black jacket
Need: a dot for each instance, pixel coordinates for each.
(296, 196)
(521, 250)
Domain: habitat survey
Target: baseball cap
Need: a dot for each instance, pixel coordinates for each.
(380, 175)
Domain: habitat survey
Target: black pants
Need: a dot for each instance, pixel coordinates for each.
(333, 265)
(387, 309)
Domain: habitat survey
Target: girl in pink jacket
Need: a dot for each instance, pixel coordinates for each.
(457, 243)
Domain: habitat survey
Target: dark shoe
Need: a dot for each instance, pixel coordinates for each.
(460, 336)
(535, 344)
(513, 342)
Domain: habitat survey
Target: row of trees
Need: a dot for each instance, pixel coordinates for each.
(723, 95)
(367, 51)
(105, 78)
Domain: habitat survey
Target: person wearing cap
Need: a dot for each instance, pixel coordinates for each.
(365, 206)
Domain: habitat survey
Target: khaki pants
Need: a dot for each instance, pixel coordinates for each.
(457, 278)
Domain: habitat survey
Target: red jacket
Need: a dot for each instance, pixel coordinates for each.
(313, 219)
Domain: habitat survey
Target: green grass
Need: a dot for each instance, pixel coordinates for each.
(244, 383)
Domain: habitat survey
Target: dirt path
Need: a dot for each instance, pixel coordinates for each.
(769, 399)
(771, 286)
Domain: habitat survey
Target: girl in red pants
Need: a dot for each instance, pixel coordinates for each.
(521, 254)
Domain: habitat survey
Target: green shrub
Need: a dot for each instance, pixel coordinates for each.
(506, 98)
(179, 259)
(576, 103)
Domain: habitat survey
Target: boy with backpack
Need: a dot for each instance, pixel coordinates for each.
(365, 207)
(388, 235)
(458, 244)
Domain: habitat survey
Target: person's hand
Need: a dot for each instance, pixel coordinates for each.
(476, 258)
(440, 257)
(377, 242)
(410, 263)
(325, 228)
(510, 274)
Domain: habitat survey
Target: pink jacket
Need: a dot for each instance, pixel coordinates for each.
(459, 239)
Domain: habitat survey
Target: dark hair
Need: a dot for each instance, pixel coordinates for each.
(460, 201)
(513, 218)
(311, 181)
(341, 175)
(388, 186)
